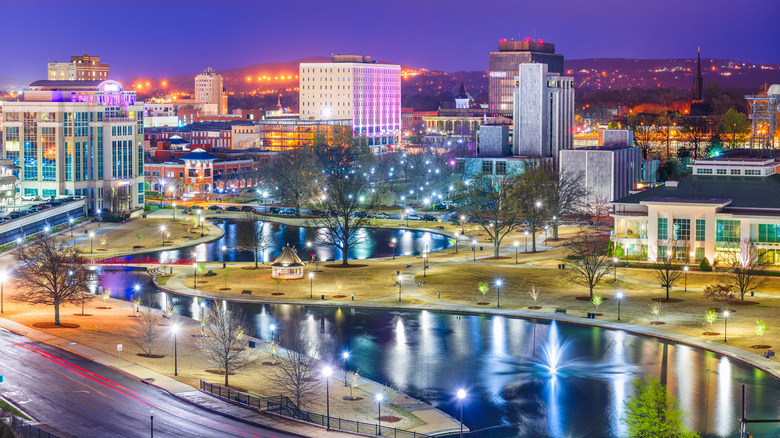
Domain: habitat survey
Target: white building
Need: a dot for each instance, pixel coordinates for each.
(608, 173)
(80, 68)
(543, 112)
(354, 87)
(78, 138)
(210, 94)
(724, 202)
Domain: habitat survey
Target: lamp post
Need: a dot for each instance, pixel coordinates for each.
(2, 281)
(498, 292)
(272, 327)
(308, 248)
(474, 249)
(546, 227)
(685, 269)
(461, 397)
(327, 371)
(399, 288)
(91, 239)
(311, 284)
(174, 210)
(345, 356)
(408, 212)
(614, 268)
(425, 263)
(162, 231)
(175, 330)
(456, 241)
(224, 250)
(201, 225)
(392, 245)
(71, 221)
(151, 418)
(526, 240)
(516, 245)
(463, 224)
(262, 254)
(195, 270)
(726, 325)
(619, 298)
(378, 398)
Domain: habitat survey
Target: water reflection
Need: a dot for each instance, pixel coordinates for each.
(430, 355)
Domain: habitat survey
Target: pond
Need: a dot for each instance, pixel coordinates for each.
(525, 378)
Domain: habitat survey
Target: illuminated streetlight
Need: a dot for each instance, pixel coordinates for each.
(685, 269)
(726, 324)
(526, 240)
(175, 330)
(272, 327)
(619, 298)
(378, 399)
(345, 356)
(91, 239)
(474, 248)
(71, 221)
(311, 284)
(195, 270)
(162, 230)
(327, 371)
(614, 268)
(461, 398)
(392, 245)
(399, 288)
(498, 291)
(516, 245)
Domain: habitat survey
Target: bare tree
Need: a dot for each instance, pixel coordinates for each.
(667, 271)
(49, 273)
(565, 196)
(84, 297)
(295, 173)
(225, 345)
(531, 193)
(350, 196)
(116, 198)
(598, 208)
(147, 326)
(590, 260)
(721, 293)
(742, 270)
(250, 236)
(492, 204)
(297, 373)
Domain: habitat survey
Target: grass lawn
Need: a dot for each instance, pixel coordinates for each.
(8, 407)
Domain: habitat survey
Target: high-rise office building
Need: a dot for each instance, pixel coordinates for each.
(503, 67)
(80, 68)
(78, 138)
(543, 112)
(210, 94)
(354, 88)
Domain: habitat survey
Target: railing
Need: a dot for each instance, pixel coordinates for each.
(282, 405)
(138, 261)
(24, 429)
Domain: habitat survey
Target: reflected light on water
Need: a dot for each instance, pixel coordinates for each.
(399, 360)
(724, 420)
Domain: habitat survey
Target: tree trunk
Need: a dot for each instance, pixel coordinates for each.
(256, 266)
(56, 313)
(555, 230)
(226, 376)
(591, 293)
(344, 260)
(496, 248)
(667, 292)
(533, 243)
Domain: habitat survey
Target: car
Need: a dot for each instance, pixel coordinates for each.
(29, 198)
(216, 208)
(290, 211)
(429, 218)
(380, 215)
(274, 210)
(413, 217)
(196, 207)
(232, 208)
(248, 209)
(441, 207)
(359, 214)
(317, 213)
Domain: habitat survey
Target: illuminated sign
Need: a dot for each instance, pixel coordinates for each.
(497, 74)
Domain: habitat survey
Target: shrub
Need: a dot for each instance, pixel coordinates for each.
(704, 266)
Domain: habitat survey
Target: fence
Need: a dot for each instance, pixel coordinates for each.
(24, 429)
(130, 260)
(283, 406)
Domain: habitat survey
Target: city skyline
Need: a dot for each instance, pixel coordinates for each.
(447, 36)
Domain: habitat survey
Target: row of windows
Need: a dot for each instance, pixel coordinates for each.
(681, 229)
(768, 233)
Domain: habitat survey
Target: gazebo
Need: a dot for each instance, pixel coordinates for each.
(288, 265)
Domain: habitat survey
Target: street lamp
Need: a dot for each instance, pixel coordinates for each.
(91, 239)
(462, 224)
(408, 212)
(619, 298)
(262, 254)
(195, 270)
(474, 249)
(272, 327)
(399, 288)
(545, 232)
(461, 397)
(71, 221)
(201, 225)
(311, 284)
(151, 418)
(392, 245)
(614, 268)
(224, 250)
(516, 245)
(498, 291)
(726, 325)
(425, 262)
(526, 240)
(162, 231)
(345, 356)
(175, 330)
(327, 371)
(456, 242)
(378, 398)
(685, 269)
(2, 281)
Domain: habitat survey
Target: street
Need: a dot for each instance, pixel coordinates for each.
(82, 398)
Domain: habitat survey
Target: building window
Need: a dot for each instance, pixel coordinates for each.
(752, 172)
(681, 229)
(736, 171)
(701, 171)
(500, 167)
(727, 231)
(662, 252)
(193, 173)
(768, 233)
(663, 229)
(721, 171)
(699, 254)
(487, 167)
(700, 231)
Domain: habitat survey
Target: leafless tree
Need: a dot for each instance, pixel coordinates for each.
(116, 198)
(590, 260)
(667, 271)
(743, 270)
(565, 197)
(599, 208)
(297, 373)
(225, 345)
(350, 196)
(84, 297)
(531, 193)
(295, 174)
(147, 326)
(492, 203)
(49, 273)
(250, 236)
(721, 293)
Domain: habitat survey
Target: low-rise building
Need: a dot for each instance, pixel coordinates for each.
(608, 173)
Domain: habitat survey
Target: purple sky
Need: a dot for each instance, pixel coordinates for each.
(171, 37)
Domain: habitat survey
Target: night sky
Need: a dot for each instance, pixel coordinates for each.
(166, 38)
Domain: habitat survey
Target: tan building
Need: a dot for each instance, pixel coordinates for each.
(80, 68)
(356, 88)
(210, 95)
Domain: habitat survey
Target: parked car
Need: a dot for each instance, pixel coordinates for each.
(290, 211)
(441, 207)
(196, 207)
(215, 208)
(232, 208)
(317, 213)
(413, 217)
(429, 218)
(274, 210)
(380, 215)
(359, 214)
(248, 209)
(29, 198)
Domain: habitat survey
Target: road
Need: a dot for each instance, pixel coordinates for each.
(82, 398)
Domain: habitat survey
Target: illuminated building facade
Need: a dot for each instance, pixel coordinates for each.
(80, 68)
(210, 96)
(504, 64)
(354, 88)
(77, 138)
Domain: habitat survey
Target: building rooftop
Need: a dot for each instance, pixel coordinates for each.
(744, 192)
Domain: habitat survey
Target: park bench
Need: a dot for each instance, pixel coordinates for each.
(247, 292)
(560, 311)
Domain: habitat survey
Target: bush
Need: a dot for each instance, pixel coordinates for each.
(704, 266)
